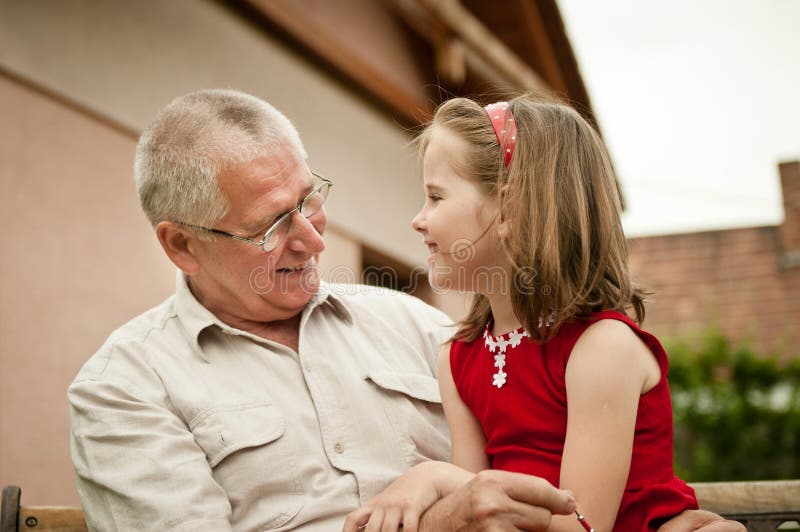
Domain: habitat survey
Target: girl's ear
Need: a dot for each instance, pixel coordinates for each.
(504, 227)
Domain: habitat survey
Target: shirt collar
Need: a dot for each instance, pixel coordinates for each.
(193, 315)
(331, 295)
(196, 318)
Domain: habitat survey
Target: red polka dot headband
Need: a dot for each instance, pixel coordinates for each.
(505, 128)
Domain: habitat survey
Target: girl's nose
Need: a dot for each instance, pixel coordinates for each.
(418, 222)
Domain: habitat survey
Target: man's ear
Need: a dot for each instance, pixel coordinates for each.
(180, 246)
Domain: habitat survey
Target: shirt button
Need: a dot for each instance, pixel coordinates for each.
(338, 447)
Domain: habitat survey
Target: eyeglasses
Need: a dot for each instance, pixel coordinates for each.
(308, 207)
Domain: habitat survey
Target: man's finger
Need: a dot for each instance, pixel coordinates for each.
(536, 491)
(532, 518)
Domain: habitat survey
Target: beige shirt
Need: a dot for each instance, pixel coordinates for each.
(180, 422)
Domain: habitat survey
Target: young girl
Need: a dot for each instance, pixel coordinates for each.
(547, 375)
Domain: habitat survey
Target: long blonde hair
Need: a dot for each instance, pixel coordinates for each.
(566, 245)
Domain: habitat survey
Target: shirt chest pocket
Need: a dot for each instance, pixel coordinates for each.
(251, 460)
(414, 405)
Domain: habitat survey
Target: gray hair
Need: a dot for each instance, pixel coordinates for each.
(193, 139)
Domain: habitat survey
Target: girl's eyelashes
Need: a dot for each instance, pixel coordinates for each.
(434, 197)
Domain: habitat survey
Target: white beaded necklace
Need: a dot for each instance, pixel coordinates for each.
(500, 344)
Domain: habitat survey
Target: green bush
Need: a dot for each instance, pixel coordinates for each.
(737, 413)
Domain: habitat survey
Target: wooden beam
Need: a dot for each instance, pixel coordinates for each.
(568, 64)
(418, 19)
(483, 43)
(288, 16)
(450, 54)
(542, 46)
(451, 61)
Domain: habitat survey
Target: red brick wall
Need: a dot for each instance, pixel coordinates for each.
(790, 230)
(744, 281)
(729, 278)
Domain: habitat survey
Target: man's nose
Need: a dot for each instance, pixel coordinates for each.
(304, 236)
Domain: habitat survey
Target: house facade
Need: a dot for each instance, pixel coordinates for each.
(80, 80)
(745, 282)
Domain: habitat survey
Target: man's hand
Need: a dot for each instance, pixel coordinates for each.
(499, 500)
(700, 521)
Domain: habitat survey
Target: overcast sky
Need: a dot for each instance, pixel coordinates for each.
(698, 101)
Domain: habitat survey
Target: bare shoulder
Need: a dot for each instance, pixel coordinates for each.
(612, 344)
(613, 336)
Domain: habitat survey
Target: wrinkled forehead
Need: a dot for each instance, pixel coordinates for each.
(272, 167)
(259, 190)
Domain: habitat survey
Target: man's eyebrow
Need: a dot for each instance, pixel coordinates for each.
(263, 225)
(312, 184)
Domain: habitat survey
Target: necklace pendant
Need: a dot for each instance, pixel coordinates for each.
(499, 378)
(498, 346)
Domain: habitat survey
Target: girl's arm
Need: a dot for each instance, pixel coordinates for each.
(609, 368)
(408, 497)
(490, 500)
(468, 441)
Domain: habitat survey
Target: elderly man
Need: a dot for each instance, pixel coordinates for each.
(257, 397)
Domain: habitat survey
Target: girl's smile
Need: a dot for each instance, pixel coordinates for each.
(457, 219)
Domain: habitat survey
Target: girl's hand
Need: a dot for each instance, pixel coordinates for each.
(700, 521)
(403, 502)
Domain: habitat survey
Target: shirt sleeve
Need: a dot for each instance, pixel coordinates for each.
(137, 464)
(438, 327)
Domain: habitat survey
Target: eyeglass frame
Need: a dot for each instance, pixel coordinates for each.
(281, 219)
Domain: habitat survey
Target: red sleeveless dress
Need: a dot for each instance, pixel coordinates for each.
(525, 420)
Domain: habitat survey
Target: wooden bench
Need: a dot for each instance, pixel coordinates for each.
(761, 505)
(15, 518)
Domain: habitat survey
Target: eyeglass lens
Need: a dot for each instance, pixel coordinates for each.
(310, 205)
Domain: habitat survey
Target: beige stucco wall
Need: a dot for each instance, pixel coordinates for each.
(127, 59)
(78, 258)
